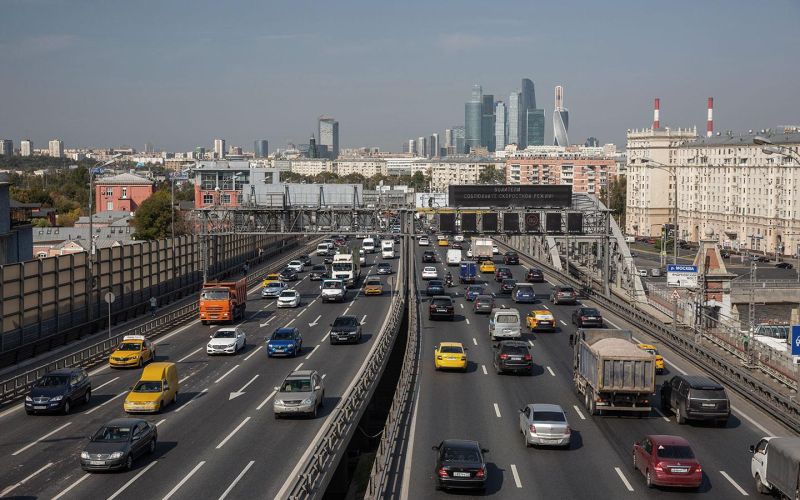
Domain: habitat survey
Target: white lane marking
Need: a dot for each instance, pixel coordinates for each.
(298, 367)
(467, 319)
(562, 322)
(325, 337)
(363, 319)
(315, 322)
(183, 481)
(290, 323)
(301, 312)
(514, 472)
(69, 488)
(238, 393)
(530, 342)
(545, 306)
(497, 410)
(683, 372)
(184, 378)
(624, 479)
(474, 341)
(551, 371)
(195, 397)
(751, 420)
(239, 477)
(660, 413)
(89, 412)
(324, 375)
(40, 439)
(404, 486)
(17, 485)
(483, 367)
(347, 309)
(578, 411)
(462, 306)
(551, 283)
(161, 422)
(312, 351)
(190, 354)
(255, 351)
(104, 384)
(262, 325)
(131, 481)
(234, 431)
(735, 485)
(226, 374)
(266, 400)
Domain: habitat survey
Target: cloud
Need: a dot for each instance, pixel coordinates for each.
(458, 42)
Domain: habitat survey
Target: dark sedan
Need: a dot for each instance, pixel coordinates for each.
(118, 443)
(784, 265)
(511, 258)
(384, 268)
(441, 307)
(460, 464)
(473, 291)
(507, 285)
(288, 275)
(428, 256)
(483, 304)
(58, 391)
(319, 273)
(435, 287)
(534, 276)
(304, 259)
(584, 317)
(457, 244)
(345, 329)
(502, 273)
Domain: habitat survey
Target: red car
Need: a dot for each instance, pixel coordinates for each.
(667, 461)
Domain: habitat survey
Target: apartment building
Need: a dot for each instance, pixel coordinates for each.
(450, 170)
(363, 166)
(586, 169)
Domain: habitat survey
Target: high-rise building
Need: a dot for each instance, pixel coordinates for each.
(412, 146)
(473, 119)
(235, 150)
(261, 148)
(487, 122)
(513, 118)
(527, 101)
(433, 146)
(459, 139)
(329, 135)
(56, 147)
(6, 147)
(26, 147)
(312, 147)
(422, 146)
(199, 152)
(534, 127)
(219, 148)
(592, 142)
(148, 147)
(500, 125)
(448, 140)
(560, 119)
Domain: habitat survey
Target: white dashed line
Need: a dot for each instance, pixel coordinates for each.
(104, 384)
(266, 400)
(735, 485)
(190, 354)
(131, 481)
(364, 319)
(462, 306)
(184, 379)
(298, 367)
(69, 488)
(16, 485)
(545, 306)
(234, 431)
(40, 439)
(235, 481)
(514, 472)
(467, 319)
(474, 341)
(551, 371)
(484, 370)
(660, 414)
(195, 397)
(225, 374)
(290, 323)
(105, 403)
(312, 351)
(530, 342)
(578, 411)
(562, 322)
(752, 421)
(624, 479)
(183, 481)
(161, 422)
(496, 410)
(255, 351)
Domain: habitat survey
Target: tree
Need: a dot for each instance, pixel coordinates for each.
(184, 192)
(294, 177)
(490, 175)
(617, 198)
(152, 219)
(326, 178)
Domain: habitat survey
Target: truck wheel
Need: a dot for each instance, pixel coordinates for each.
(592, 404)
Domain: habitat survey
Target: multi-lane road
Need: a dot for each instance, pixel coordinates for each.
(483, 406)
(221, 439)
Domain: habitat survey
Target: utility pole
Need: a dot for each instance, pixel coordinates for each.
(606, 253)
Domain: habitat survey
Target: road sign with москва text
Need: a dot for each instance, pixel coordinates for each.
(681, 276)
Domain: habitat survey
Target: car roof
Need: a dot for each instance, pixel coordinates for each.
(124, 421)
(513, 343)
(442, 297)
(451, 344)
(484, 296)
(349, 316)
(666, 439)
(226, 329)
(701, 382)
(460, 443)
(646, 346)
(285, 329)
(301, 374)
(540, 311)
(546, 407)
(65, 371)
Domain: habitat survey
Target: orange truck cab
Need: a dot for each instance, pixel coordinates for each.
(223, 301)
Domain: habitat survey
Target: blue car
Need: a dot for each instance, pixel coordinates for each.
(523, 294)
(285, 342)
(473, 291)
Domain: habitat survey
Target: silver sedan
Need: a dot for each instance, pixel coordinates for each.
(544, 425)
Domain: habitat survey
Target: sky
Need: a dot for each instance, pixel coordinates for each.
(180, 73)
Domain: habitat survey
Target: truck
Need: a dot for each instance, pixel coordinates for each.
(223, 301)
(481, 248)
(611, 372)
(387, 249)
(467, 272)
(333, 290)
(346, 267)
(453, 256)
(775, 466)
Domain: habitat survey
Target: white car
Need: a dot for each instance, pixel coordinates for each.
(226, 341)
(424, 241)
(296, 266)
(495, 250)
(429, 273)
(469, 253)
(458, 237)
(289, 298)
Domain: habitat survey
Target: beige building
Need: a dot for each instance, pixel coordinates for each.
(446, 171)
(364, 166)
(311, 166)
(56, 148)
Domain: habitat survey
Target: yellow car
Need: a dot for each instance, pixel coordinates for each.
(659, 358)
(157, 387)
(271, 278)
(373, 286)
(487, 266)
(540, 321)
(134, 350)
(443, 243)
(450, 355)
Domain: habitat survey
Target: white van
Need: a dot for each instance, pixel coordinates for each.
(368, 245)
(322, 248)
(504, 323)
(387, 249)
(454, 257)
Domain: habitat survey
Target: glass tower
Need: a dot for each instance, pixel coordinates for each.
(329, 135)
(513, 118)
(535, 127)
(261, 148)
(472, 119)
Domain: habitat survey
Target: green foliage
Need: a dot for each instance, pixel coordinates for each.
(153, 219)
(617, 194)
(491, 175)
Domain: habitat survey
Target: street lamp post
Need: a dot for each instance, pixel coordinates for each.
(91, 229)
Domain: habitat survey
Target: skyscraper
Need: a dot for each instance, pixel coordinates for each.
(6, 147)
(500, 125)
(448, 140)
(433, 146)
(527, 101)
(312, 147)
(329, 135)
(56, 147)
(513, 118)
(472, 119)
(26, 147)
(459, 139)
(560, 119)
(422, 146)
(412, 146)
(592, 142)
(487, 122)
(219, 148)
(534, 120)
(261, 148)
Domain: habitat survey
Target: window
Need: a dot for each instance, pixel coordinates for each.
(109, 191)
(124, 192)
(225, 199)
(208, 199)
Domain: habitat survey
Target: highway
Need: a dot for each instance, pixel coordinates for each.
(215, 443)
(482, 405)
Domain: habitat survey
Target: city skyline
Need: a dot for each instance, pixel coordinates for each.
(72, 67)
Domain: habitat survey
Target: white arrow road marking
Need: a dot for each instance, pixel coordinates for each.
(241, 391)
(262, 325)
(363, 319)
(316, 321)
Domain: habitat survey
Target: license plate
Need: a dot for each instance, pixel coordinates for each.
(506, 330)
(680, 470)
(97, 462)
(709, 405)
(516, 358)
(461, 474)
(40, 407)
(441, 310)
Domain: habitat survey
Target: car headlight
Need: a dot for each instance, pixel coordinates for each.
(28, 399)
(85, 455)
(209, 345)
(308, 401)
(115, 455)
(279, 402)
(56, 398)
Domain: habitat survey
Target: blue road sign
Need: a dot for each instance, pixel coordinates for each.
(795, 340)
(679, 268)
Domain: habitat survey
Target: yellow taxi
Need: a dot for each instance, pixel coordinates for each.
(541, 320)
(373, 286)
(271, 278)
(443, 242)
(487, 266)
(659, 358)
(451, 355)
(134, 350)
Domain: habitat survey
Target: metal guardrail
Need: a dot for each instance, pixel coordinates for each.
(19, 385)
(315, 474)
(387, 455)
(746, 284)
(736, 376)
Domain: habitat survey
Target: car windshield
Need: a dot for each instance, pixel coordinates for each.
(225, 334)
(548, 416)
(130, 346)
(590, 312)
(342, 266)
(440, 302)
(565, 289)
(145, 386)
(297, 385)
(509, 282)
(331, 285)
(283, 335)
(345, 321)
(433, 283)
(318, 268)
(287, 271)
(650, 351)
(452, 349)
(475, 289)
(515, 350)
(373, 282)
(275, 285)
(460, 455)
(287, 294)
(707, 394)
(429, 270)
(214, 294)
(53, 381)
(674, 451)
(112, 434)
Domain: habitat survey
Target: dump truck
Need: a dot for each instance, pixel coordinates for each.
(481, 249)
(611, 372)
(223, 301)
(775, 466)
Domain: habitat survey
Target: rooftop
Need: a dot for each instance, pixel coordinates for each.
(123, 179)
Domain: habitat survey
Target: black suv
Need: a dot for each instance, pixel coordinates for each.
(345, 329)
(502, 273)
(58, 391)
(507, 285)
(319, 273)
(441, 306)
(512, 356)
(695, 397)
(428, 256)
(534, 276)
(511, 258)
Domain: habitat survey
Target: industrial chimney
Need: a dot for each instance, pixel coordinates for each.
(710, 121)
(656, 119)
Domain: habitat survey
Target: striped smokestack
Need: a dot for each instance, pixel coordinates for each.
(710, 121)
(656, 109)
